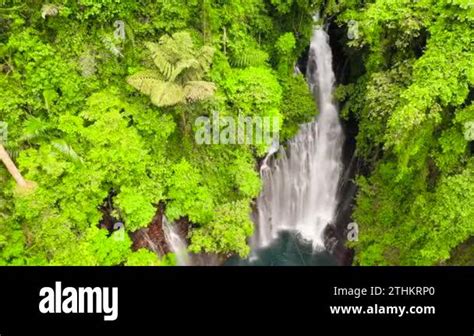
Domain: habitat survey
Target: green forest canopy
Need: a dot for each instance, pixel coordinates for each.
(79, 125)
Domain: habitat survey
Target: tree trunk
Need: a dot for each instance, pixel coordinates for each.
(12, 169)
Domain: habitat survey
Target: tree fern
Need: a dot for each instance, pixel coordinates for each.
(161, 59)
(199, 90)
(167, 94)
(144, 81)
(180, 68)
(202, 66)
(183, 67)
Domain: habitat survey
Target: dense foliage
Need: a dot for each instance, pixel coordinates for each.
(414, 109)
(74, 90)
(100, 98)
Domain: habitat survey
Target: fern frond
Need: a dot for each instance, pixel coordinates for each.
(161, 60)
(67, 151)
(110, 45)
(179, 70)
(49, 10)
(249, 57)
(33, 128)
(169, 48)
(167, 94)
(204, 60)
(180, 45)
(199, 90)
(205, 57)
(181, 66)
(145, 81)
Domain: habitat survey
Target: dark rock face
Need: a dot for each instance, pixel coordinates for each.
(153, 236)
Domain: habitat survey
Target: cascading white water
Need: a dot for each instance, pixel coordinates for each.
(176, 243)
(300, 187)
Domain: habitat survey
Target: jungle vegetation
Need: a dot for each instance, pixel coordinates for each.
(102, 95)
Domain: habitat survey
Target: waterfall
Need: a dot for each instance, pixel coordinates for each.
(273, 149)
(300, 186)
(177, 244)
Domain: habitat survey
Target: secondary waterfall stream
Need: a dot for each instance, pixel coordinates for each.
(176, 243)
(301, 185)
